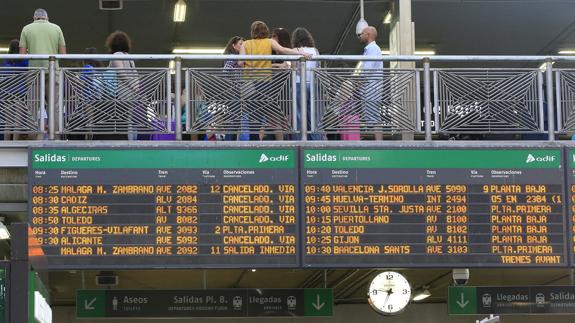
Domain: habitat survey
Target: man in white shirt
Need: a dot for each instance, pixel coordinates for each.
(372, 85)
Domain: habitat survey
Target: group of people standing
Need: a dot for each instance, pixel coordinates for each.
(278, 42)
(44, 37)
(301, 42)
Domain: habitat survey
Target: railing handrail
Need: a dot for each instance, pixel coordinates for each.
(411, 58)
(142, 57)
(388, 112)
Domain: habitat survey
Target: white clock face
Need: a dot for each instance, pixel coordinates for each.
(389, 292)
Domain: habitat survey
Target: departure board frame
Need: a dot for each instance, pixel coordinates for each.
(398, 162)
(145, 177)
(570, 198)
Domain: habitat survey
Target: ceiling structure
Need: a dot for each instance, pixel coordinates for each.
(480, 27)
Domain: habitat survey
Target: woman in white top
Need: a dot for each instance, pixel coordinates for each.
(303, 41)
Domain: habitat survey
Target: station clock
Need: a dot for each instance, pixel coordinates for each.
(389, 292)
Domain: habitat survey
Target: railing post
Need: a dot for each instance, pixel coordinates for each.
(42, 101)
(427, 98)
(303, 98)
(312, 94)
(177, 99)
(550, 104)
(60, 106)
(51, 98)
(187, 98)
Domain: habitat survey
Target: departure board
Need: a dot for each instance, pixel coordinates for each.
(165, 208)
(571, 196)
(433, 208)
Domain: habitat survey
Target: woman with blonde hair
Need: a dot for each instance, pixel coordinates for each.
(261, 44)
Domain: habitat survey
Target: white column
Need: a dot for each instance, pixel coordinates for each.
(402, 32)
(402, 42)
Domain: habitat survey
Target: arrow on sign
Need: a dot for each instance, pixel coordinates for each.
(317, 304)
(462, 303)
(88, 306)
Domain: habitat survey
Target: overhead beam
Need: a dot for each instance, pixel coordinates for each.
(349, 26)
(556, 41)
(355, 285)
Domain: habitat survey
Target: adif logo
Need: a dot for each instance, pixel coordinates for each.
(281, 158)
(545, 159)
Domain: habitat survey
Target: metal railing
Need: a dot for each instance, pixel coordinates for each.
(348, 100)
(565, 94)
(240, 101)
(488, 100)
(419, 100)
(114, 101)
(22, 100)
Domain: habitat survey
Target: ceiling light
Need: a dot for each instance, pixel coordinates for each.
(361, 24)
(4, 49)
(180, 11)
(421, 295)
(567, 52)
(254, 270)
(196, 50)
(4, 233)
(387, 18)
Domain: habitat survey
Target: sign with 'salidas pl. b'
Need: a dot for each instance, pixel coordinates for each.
(512, 300)
(203, 303)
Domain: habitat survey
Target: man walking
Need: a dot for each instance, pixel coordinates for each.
(372, 85)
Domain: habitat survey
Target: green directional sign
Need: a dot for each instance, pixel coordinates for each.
(318, 302)
(91, 303)
(511, 300)
(462, 301)
(234, 302)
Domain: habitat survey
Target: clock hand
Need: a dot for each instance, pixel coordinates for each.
(386, 298)
(389, 292)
